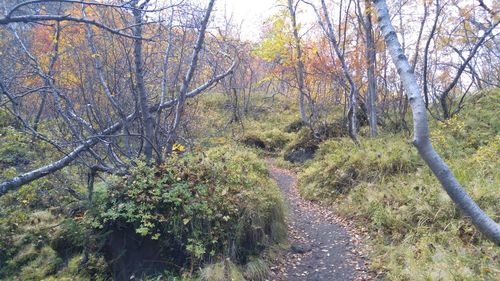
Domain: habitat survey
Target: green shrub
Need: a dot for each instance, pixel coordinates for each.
(295, 126)
(15, 149)
(7, 119)
(224, 191)
(210, 205)
(306, 142)
(272, 140)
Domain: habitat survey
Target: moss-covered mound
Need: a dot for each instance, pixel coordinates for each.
(273, 140)
(340, 165)
(307, 141)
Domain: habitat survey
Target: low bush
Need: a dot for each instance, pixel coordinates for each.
(306, 142)
(198, 209)
(191, 211)
(340, 165)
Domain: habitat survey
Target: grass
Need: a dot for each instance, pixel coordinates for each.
(416, 232)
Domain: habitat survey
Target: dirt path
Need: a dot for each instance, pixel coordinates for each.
(321, 248)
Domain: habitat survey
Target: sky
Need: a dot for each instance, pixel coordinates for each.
(248, 13)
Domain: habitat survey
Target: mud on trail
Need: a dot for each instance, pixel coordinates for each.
(322, 248)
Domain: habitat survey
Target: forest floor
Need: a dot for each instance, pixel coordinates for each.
(323, 246)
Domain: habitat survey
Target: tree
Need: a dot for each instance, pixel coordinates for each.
(283, 49)
(421, 131)
(146, 116)
(371, 57)
(328, 28)
(102, 113)
(292, 9)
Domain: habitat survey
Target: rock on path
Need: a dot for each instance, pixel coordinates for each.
(321, 249)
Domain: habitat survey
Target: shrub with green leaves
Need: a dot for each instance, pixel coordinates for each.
(211, 205)
(202, 208)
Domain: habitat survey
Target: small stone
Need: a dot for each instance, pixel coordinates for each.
(300, 249)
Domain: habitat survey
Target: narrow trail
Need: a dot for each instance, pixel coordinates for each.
(321, 248)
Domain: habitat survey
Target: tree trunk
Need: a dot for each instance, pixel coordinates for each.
(371, 60)
(426, 54)
(179, 110)
(421, 131)
(147, 118)
(300, 64)
(353, 96)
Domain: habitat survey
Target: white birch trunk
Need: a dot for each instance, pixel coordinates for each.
(421, 131)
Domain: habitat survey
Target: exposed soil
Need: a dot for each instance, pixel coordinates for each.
(322, 247)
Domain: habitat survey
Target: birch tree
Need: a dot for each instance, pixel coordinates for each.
(300, 73)
(326, 24)
(465, 203)
(371, 57)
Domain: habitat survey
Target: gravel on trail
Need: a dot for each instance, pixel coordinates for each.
(322, 245)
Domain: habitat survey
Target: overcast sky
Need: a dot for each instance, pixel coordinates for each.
(249, 13)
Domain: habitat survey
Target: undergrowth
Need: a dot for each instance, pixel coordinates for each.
(217, 206)
(416, 232)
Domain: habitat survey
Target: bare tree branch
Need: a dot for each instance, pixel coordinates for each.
(25, 178)
(63, 18)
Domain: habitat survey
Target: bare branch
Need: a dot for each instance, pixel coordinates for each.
(25, 178)
(63, 18)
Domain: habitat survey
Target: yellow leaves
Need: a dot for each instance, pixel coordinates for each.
(177, 147)
(70, 78)
(277, 39)
(371, 10)
(444, 41)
